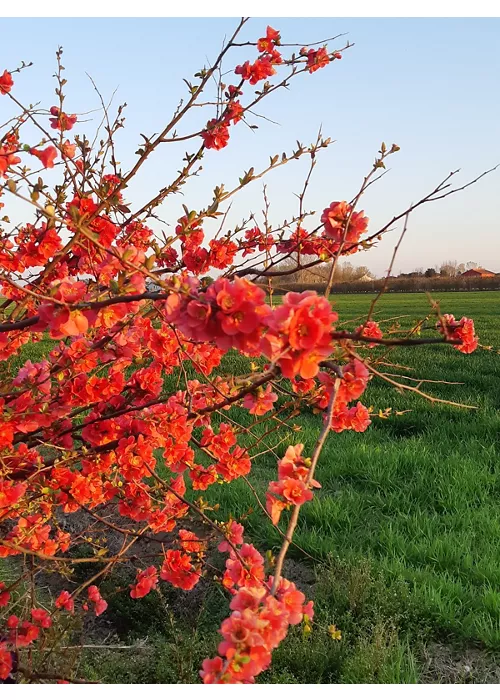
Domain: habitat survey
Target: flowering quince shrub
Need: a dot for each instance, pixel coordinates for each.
(133, 380)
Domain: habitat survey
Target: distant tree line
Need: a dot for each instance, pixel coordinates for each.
(448, 268)
(349, 278)
(319, 274)
(397, 284)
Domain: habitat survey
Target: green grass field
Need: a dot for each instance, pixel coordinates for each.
(418, 493)
(404, 534)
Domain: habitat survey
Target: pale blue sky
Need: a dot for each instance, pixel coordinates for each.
(430, 85)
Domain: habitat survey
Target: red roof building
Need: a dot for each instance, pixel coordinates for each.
(478, 272)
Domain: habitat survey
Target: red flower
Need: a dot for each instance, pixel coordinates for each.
(63, 322)
(260, 70)
(41, 617)
(62, 121)
(69, 149)
(25, 634)
(37, 245)
(7, 158)
(216, 135)
(12, 622)
(178, 570)
(100, 605)
(212, 670)
(292, 599)
(244, 70)
(65, 601)
(222, 252)
(370, 329)
(358, 418)
(5, 662)
(317, 59)
(266, 44)
(354, 382)
(10, 492)
(300, 334)
(234, 112)
(247, 570)
(233, 92)
(275, 57)
(293, 465)
(202, 478)
(335, 218)
(293, 487)
(234, 464)
(110, 185)
(146, 582)
(274, 507)
(46, 156)
(293, 491)
(4, 595)
(248, 597)
(462, 330)
(190, 542)
(196, 260)
(261, 401)
(6, 82)
(234, 533)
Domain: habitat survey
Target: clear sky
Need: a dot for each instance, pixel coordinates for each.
(430, 85)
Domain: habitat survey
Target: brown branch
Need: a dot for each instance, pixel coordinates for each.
(314, 461)
(341, 335)
(405, 387)
(386, 281)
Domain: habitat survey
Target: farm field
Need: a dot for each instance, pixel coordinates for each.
(399, 549)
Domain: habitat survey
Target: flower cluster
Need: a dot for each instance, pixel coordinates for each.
(299, 336)
(62, 121)
(355, 378)
(232, 460)
(258, 624)
(6, 82)
(316, 59)
(262, 612)
(294, 485)
(65, 602)
(179, 570)
(343, 226)
(229, 313)
(462, 331)
(8, 152)
(146, 581)
(216, 133)
(370, 329)
(20, 634)
(260, 401)
(94, 596)
(263, 67)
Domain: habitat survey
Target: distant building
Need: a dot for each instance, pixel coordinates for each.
(478, 272)
(365, 278)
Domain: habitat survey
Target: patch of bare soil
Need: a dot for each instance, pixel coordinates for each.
(447, 665)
